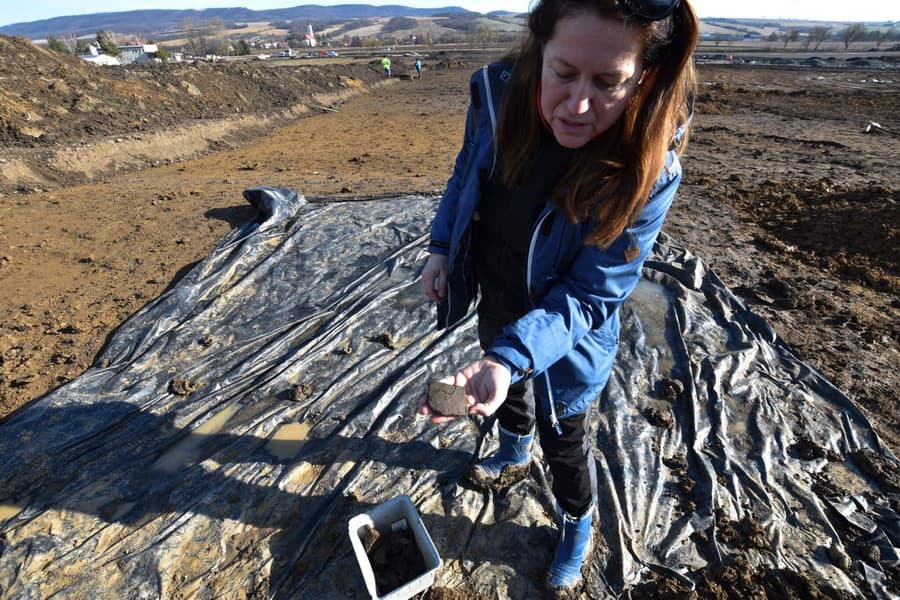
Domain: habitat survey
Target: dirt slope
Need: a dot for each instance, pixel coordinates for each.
(66, 121)
(51, 98)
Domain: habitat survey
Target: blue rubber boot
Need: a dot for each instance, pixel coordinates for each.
(511, 461)
(573, 550)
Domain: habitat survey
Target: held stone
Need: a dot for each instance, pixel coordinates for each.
(446, 399)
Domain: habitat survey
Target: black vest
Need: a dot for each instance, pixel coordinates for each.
(502, 229)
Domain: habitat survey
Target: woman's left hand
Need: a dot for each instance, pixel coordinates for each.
(486, 383)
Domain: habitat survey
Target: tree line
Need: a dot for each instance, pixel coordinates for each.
(814, 37)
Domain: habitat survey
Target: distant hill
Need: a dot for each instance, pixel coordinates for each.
(157, 21)
(161, 24)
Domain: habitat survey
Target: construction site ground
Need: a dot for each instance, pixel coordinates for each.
(115, 182)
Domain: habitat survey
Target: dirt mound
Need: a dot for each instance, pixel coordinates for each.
(443, 60)
(853, 231)
(51, 98)
(65, 121)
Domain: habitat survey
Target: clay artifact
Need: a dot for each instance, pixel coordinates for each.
(446, 399)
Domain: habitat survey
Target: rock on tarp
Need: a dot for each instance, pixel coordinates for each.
(230, 429)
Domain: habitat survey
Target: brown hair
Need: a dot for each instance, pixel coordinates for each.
(611, 178)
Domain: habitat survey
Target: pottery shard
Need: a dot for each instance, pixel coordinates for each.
(369, 537)
(447, 399)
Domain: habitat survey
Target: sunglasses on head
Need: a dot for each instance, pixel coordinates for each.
(649, 10)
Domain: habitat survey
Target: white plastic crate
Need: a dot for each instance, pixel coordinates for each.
(383, 517)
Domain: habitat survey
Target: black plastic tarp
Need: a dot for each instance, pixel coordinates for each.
(230, 429)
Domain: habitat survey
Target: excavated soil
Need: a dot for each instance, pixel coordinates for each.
(115, 182)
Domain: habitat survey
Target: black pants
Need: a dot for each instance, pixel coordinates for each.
(568, 455)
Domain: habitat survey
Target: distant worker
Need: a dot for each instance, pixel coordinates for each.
(418, 68)
(386, 63)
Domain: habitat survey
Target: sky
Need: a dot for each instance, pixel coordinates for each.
(16, 11)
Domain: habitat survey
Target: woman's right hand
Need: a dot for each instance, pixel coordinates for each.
(434, 277)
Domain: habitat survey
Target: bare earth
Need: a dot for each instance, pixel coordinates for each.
(786, 196)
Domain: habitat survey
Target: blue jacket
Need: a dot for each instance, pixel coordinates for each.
(567, 342)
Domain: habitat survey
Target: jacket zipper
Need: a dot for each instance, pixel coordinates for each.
(554, 419)
(490, 105)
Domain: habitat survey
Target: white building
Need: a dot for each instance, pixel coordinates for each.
(309, 39)
(137, 53)
(94, 56)
(129, 54)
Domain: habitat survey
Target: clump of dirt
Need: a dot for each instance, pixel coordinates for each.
(387, 340)
(508, 476)
(737, 575)
(854, 231)
(746, 533)
(685, 485)
(659, 417)
(465, 592)
(449, 64)
(443, 60)
(301, 392)
(394, 555)
(740, 578)
(671, 389)
(183, 386)
(808, 449)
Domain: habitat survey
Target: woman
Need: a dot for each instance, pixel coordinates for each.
(568, 168)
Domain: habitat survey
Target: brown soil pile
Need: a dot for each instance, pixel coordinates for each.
(65, 121)
(395, 558)
(785, 196)
(51, 98)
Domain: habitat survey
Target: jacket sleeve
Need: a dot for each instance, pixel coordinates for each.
(585, 296)
(444, 219)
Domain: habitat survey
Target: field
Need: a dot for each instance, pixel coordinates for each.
(113, 187)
